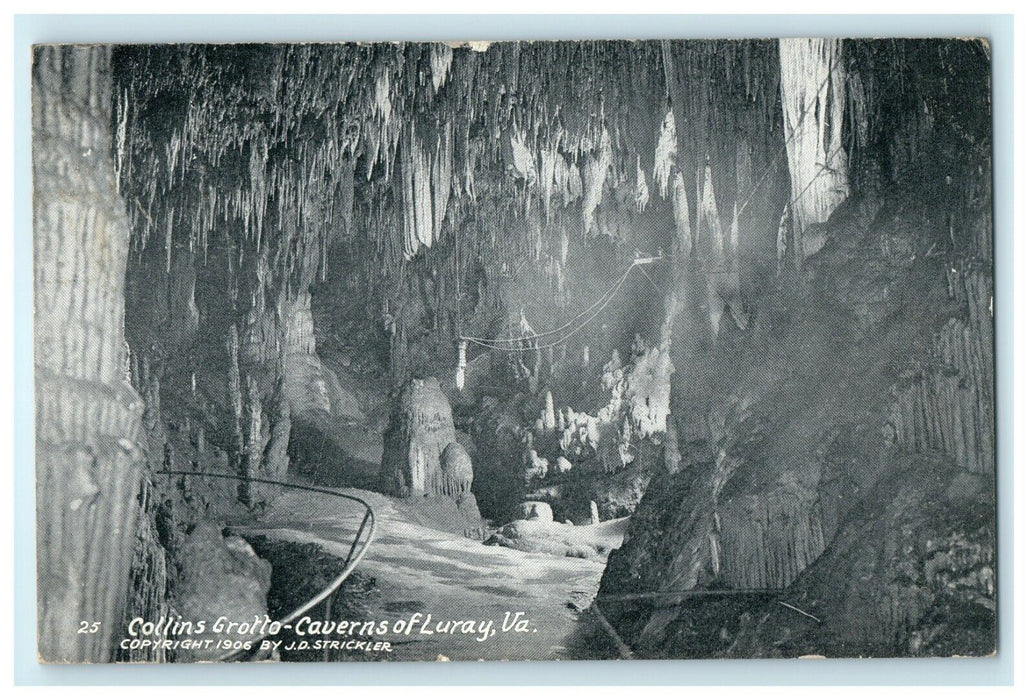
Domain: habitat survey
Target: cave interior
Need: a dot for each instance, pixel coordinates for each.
(734, 294)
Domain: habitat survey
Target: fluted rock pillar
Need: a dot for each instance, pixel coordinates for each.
(88, 418)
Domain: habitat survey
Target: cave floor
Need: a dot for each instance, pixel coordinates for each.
(445, 577)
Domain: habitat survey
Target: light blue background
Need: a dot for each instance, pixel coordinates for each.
(172, 28)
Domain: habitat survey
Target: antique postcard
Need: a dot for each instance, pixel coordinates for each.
(514, 350)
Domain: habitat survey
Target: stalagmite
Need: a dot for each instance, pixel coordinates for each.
(536, 467)
(254, 424)
(421, 453)
(457, 471)
(548, 415)
(461, 365)
(562, 465)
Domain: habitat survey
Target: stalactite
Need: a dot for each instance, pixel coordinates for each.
(681, 213)
(744, 192)
(548, 164)
(273, 157)
(813, 84)
(234, 388)
(426, 183)
(520, 159)
(383, 96)
(418, 214)
(594, 175)
(568, 174)
(665, 154)
(441, 60)
(782, 235)
(442, 176)
(708, 218)
(642, 190)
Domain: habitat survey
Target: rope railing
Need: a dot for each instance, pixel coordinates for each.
(352, 559)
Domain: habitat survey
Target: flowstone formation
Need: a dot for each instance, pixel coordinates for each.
(422, 457)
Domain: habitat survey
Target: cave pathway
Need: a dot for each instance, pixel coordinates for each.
(446, 577)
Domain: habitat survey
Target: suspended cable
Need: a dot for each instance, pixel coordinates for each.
(649, 279)
(593, 310)
(493, 342)
(574, 330)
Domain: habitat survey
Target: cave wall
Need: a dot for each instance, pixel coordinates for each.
(865, 373)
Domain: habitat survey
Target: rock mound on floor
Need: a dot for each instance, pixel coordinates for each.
(561, 539)
(219, 577)
(535, 510)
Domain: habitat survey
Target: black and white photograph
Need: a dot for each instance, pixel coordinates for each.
(514, 350)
